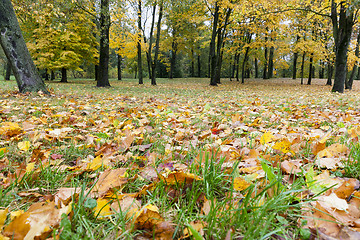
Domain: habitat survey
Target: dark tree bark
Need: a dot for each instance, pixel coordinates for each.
(343, 22)
(232, 73)
(148, 53)
(199, 64)
(322, 69)
(237, 67)
(310, 69)
(265, 73)
(119, 67)
(192, 70)
(212, 54)
(256, 68)
(349, 82)
(173, 57)
(330, 71)
(103, 80)
(271, 63)
(139, 60)
(296, 55)
(8, 71)
(63, 75)
(358, 74)
(157, 45)
(13, 44)
(302, 68)
(52, 75)
(246, 57)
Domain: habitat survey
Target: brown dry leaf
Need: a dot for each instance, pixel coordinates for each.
(148, 217)
(347, 188)
(109, 179)
(290, 167)
(197, 225)
(321, 220)
(332, 150)
(328, 163)
(64, 195)
(317, 147)
(127, 204)
(37, 222)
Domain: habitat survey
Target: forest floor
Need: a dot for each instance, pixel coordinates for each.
(268, 159)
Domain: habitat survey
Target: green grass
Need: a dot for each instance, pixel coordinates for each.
(269, 209)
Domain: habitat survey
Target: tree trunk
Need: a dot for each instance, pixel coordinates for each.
(157, 46)
(8, 71)
(119, 68)
(302, 68)
(342, 29)
(212, 55)
(310, 69)
(139, 60)
(13, 44)
(237, 67)
(265, 73)
(246, 56)
(349, 83)
(52, 75)
(256, 68)
(271, 63)
(148, 53)
(330, 72)
(63, 75)
(232, 73)
(199, 64)
(296, 55)
(103, 80)
(173, 59)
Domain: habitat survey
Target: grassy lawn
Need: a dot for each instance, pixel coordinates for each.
(180, 160)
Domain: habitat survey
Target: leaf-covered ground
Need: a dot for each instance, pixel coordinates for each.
(182, 160)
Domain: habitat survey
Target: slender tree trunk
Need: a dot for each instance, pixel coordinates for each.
(330, 71)
(148, 53)
(103, 80)
(232, 74)
(349, 83)
(173, 58)
(8, 71)
(212, 55)
(13, 44)
(256, 68)
(302, 68)
(63, 75)
(246, 56)
(157, 46)
(119, 67)
(342, 30)
(310, 69)
(237, 67)
(199, 64)
(296, 55)
(265, 73)
(271, 63)
(358, 74)
(139, 60)
(52, 75)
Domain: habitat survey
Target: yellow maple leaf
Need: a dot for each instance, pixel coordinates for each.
(240, 184)
(3, 215)
(266, 138)
(10, 129)
(283, 146)
(102, 209)
(24, 146)
(30, 167)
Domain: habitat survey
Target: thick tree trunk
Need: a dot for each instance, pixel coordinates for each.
(13, 44)
(52, 75)
(103, 80)
(157, 46)
(342, 29)
(119, 67)
(63, 75)
(139, 60)
(310, 69)
(302, 68)
(8, 71)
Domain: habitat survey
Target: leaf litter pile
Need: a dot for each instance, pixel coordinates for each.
(180, 161)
